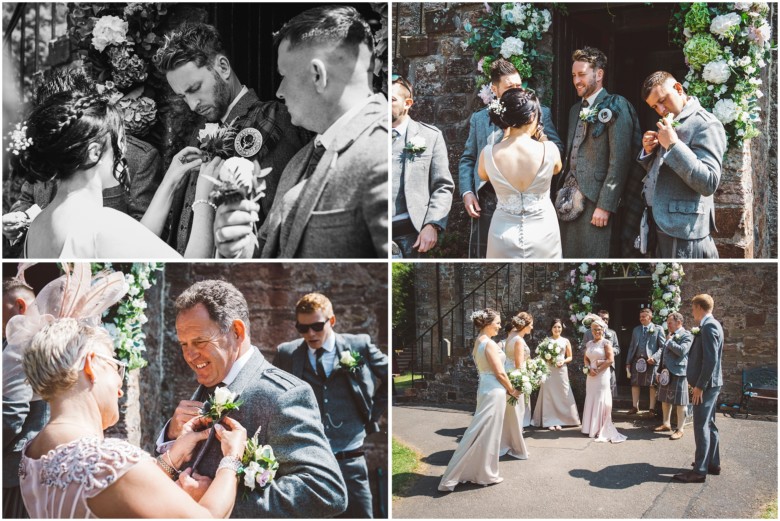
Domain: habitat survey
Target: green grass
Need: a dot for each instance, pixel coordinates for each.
(405, 462)
(404, 382)
(769, 511)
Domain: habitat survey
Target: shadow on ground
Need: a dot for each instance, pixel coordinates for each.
(620, 477)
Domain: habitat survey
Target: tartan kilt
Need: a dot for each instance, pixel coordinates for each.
(645, 379)
(675, 392)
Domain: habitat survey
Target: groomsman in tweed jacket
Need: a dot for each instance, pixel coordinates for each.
(349, 377)
(644, 354)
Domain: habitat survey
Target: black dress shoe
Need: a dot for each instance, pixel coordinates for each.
(714, 470)
(690, 477)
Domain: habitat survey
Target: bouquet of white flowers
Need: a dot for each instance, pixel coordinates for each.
(522, 382)
(549, 350)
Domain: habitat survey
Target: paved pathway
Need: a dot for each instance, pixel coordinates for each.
(570, 476)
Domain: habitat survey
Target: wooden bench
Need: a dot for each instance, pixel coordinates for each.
(757, 383)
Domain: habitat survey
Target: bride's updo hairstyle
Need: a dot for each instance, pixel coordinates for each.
(51, 360)
(483, 317)
(516, 108)
(522, 320)
(61, 129)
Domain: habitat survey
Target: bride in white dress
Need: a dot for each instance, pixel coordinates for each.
(521, 169)
(476, 458)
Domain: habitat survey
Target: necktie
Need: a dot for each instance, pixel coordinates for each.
(644, 329)
(320, 367)
(396, 134)
(585, 104)
(316, 155)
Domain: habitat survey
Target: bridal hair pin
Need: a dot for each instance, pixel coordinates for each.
(480, 313)
(19, 139)
(496, 107)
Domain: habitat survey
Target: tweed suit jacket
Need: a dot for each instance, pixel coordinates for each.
(675, 356)
(368, 382)
(308, 482)
(704, 359)
(427, 182)
(610, 335)
(689, 174)
(648, 344)
(281, 141)
(144, 175)
(604, 162)
(480, 131)
(341, 210)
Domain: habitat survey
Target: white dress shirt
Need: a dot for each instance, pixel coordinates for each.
(241, 93)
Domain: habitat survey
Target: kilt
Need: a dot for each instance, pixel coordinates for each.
(645, 379)
(675, 392)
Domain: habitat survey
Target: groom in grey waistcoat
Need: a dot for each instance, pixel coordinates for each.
(705, 375)
(212, 325)
(683, 160)
(422, 183)
(478, 196)
(602, 140)
(348, 374)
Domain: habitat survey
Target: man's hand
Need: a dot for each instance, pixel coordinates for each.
(600, 218)
(233, 233)
(650, 141)
(697, 394)
(185, 411)
(194, 484)
(472, 205)
(427, 238)
(667, 136)
(650, 361)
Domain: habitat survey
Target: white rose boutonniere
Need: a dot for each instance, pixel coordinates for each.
(651, 329)
(589, 114)
(350, 361)
(695, 330)
(416, 145)
(222, 402)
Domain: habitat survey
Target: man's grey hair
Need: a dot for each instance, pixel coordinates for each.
(221, 299)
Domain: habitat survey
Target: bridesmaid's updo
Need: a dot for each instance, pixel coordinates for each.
(557, 321)
(522, 320)
(483, 317)
(516, 108)
(62, 128)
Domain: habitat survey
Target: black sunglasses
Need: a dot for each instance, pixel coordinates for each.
(316, 326)
(397, 78)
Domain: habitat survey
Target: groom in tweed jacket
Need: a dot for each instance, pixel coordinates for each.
(212, 324)
(351, 401)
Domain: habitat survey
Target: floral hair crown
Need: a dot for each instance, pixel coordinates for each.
(496, 107)
(480, 313)
(18, 138)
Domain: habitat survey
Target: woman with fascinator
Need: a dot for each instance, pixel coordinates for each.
(597, 414)
(521, 169)
(78, 140)
(476, 458)
(70, 470)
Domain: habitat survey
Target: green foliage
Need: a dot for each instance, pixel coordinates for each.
(405, 462)
(403, 292)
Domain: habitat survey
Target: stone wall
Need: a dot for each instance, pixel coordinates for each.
(745, 303)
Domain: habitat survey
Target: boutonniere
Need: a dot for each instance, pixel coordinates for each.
(350, 361)
(220, 403)
(651, 329)
(669, 118)
(677, 335)
(589, 114)
(258, 464)
(607, 335)
(216, 139)
(416, 145)
(695, 330)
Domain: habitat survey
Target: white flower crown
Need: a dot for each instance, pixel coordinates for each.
(480, 313)
(497, 107)
(19, 140)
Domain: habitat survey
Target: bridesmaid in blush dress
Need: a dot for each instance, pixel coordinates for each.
(476, 458)
(512, 441)
(597, 414)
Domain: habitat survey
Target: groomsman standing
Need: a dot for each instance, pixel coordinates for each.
(706, 377)
(673, 386)
(644, 354)
(683, 160)
(478, 196)
(349, 377)
(422, 183)
(600, 148)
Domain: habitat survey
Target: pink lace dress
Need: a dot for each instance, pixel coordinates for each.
(59, 483)
(597, 414)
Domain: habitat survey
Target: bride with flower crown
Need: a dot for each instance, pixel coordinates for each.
(521, 169)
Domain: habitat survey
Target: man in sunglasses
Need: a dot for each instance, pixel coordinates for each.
(348, 374)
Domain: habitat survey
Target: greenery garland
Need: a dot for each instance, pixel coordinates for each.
(666, 299)
(581, 295)
(725, 45)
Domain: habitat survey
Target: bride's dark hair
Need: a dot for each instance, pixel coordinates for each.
(518, 107)
(62, 128)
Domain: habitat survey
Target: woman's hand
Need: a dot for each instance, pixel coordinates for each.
(194, 484)
(195, 430)
(559, 363)
(233, 440)
(514, 394)
(203, 188)
(185, 160)
(593, 372)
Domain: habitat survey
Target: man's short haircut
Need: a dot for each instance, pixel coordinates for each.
(55, 81)
(645, 310)
(312, 303)
(655, 79)
(604, 314)
(678, 317)
(595, 57)
(13, 287)
(500, 68)
(704, 301)
(403, 82)
(221, 299)
(191, 42)
(341, 25)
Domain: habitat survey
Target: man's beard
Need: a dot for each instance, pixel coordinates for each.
(222, 100)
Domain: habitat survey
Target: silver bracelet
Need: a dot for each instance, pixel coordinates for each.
(203, 201)
(229, 462)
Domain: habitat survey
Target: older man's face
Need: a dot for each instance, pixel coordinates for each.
(208, 351)
(645, 318)
(203, 89)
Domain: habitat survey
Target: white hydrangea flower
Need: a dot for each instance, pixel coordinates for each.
(717, 72)
(512, 47)
(722, 25)
(586, 299)
(726, 110)
(109, 30)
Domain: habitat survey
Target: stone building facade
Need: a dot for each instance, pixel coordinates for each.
(427, 50)
(745, 303)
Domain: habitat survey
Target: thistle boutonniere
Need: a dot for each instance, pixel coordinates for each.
(222, 402)
(415, 146)
(216, 139)
(589, 114)
(258, 464)
(669, 118)
(350, 361)
(695, 330)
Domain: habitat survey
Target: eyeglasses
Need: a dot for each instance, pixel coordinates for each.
(316, 326)
(121, 365)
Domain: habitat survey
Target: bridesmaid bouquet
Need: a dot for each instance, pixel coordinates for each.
(538, 370)
(549, 350)
(522, 382)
